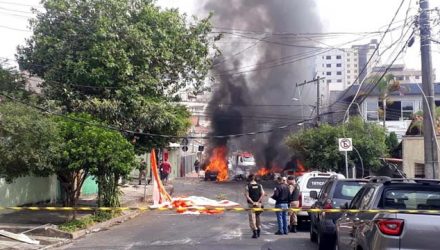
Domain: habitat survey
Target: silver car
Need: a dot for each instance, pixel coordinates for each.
(399, 227)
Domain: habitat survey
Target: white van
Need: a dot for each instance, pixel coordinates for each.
(312, 181)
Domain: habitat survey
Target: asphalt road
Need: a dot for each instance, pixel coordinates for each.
(167, 230)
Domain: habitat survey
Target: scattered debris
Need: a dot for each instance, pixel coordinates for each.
(19, 237)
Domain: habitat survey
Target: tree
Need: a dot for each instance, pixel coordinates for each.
(90, 148)
(386, 85)
(121, 61)
(12, 83)
(319, 148)
(392, 142)
(29, 141)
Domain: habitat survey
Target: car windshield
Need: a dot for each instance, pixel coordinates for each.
(346, 190)
(411, 199)
(316, 182)
(248, 159)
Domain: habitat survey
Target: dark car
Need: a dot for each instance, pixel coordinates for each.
(402, 214)
(334, 194)
(211, 175)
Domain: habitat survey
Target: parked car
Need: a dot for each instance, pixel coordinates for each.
(335, 193)
(312, 181)
(392, 230)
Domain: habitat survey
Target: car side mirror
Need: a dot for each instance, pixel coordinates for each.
(314, 195)
(345, 205)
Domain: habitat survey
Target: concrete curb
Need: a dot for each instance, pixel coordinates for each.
(95, 228)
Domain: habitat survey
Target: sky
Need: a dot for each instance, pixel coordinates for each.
(336, 16)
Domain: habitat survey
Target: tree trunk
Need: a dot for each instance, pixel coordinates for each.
(384, 112)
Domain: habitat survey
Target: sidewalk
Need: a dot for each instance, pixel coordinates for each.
(40, 225)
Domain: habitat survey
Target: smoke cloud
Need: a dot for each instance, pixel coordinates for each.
(257, 71)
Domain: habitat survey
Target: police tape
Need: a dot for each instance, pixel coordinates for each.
(223, 209)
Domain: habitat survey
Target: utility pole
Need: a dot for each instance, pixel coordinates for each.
(318, 98)
(318, 95)
(429, 131)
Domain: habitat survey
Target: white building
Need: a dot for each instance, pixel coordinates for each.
(331, 66)
(400, 72)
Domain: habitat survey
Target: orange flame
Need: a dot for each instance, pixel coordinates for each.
(218, 163)
(263, 172)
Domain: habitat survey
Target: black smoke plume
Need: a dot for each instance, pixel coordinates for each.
(245, 99)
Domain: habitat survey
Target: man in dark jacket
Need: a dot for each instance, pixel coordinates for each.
(254, 195)
(281, 195)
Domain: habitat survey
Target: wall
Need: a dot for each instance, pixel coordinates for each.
(90, 187)
(413, 152)
(28, 190)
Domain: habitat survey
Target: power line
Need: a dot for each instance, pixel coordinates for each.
(137, 133)
(372, 55)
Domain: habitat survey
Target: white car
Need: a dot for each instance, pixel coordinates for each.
(311, 181)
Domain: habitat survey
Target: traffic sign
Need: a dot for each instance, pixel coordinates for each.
(185, 148)
(184, 142)
(345, 144)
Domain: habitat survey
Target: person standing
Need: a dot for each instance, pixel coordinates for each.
(294, 203)
(165, 167)
(197, 166)
(142, 171)
(281, 195)
(254, 194)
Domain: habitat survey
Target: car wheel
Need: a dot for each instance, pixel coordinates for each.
(313, 236)
(325, 242)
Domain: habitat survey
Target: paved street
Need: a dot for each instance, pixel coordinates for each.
(167, 230)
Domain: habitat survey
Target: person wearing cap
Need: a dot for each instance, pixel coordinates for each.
(281, 195)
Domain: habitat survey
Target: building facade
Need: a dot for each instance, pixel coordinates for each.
(345, 67)
(400, 73)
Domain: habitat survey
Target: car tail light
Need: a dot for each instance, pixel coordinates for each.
(328, 204)
(300, 198)
(392, 227)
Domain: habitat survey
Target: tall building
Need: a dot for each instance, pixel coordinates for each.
(331, 66)
(400, 72)
(365, 52)
(343, 67)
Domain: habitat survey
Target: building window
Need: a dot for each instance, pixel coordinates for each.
(407, 78)
(329, 81)
(348, 77)
(355, 65)
(339, 73)
(339, 80)
(328, 65)
(338, 57)
(329, 73)
(348, 65)
(328, 57)
(417, 77)
(419, 170)
(372, 111)
(348, 59)
(399, 78)
(392, 111)
(348, 71)
(338, 65)
(355, 71)
(407, 110)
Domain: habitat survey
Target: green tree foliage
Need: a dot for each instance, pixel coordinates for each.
(90, 149)
(12, 83)
(392, 142)
(121, 61)
(319, 146)
(28, 141)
